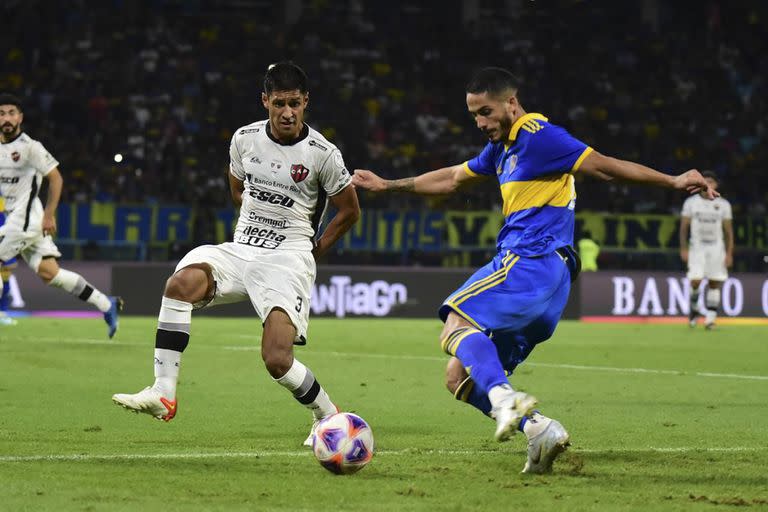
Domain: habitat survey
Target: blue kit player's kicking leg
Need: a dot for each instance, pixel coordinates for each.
(492, 322)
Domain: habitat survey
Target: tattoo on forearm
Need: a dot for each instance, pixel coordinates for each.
(405, 184)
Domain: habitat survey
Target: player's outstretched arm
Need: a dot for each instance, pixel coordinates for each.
(691, 181)
(347, 213)
(440, 182)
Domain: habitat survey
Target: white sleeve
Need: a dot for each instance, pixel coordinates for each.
(727, 213)
(41, 159)
(334, 176)
(235, 160)
(686, 208)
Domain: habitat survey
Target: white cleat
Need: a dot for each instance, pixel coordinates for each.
(148, 401)
(509, 413)
(311, 437)
(7, 320)
(546, 440)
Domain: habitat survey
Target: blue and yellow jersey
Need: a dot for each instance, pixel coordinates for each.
(535, 170)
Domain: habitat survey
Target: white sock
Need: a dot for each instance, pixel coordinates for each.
(173, 326)
(713, 304)
(498, 394)
(75, 284)
(300, 381)
(167, 364)
(534, 424)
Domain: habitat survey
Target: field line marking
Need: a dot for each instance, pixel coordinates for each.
(305, 453)
(542, 365)
(253, 348)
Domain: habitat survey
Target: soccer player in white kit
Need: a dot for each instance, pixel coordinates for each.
(710, 252)
(281, 173)
(29, 228)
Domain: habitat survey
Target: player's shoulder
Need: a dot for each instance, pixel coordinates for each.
(317, 143)
(25, 140)
(723, 201)
(691, 199)
(251, 129)
(535, 124)
(538, 132)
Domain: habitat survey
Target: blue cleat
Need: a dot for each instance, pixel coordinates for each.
(112, 316)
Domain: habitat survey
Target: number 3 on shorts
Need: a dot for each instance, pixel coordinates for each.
(299, 303)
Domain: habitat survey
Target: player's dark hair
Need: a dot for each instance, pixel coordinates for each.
(10, 99)
(711, 174)
(285, 76)
(492, 81)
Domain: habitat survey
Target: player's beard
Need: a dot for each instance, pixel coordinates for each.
(9, 130)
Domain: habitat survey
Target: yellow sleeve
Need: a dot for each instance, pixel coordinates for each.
(579, 160)
(467, 170)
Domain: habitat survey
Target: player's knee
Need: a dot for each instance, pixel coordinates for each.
(277, 362)
(47, 274)
(188, 285)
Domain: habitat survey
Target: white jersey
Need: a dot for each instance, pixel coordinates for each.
(707, 216)
(23, 164)
(286, 186)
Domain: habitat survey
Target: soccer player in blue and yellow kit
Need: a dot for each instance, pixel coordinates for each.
(495, 319)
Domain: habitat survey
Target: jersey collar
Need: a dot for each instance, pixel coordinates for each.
(520, 122)
(302, 135)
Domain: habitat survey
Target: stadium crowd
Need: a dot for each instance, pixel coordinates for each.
(164, 83)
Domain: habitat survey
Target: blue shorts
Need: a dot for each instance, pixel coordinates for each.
(11, 262)
(516, 300)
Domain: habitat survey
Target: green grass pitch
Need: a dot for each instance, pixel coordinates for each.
(661, 418)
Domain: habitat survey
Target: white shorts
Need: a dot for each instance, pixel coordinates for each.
(31, 245)
(270, 279)
(707, 261)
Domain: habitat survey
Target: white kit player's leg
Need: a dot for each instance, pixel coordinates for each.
(693, 306)
(301, 382)
(173, 327)
(280, 285)
(76, 285)
(713, 305)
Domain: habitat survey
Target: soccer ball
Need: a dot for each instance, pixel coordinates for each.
(343, 443)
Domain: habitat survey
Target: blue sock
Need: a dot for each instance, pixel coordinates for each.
(479, 400)
(5, 298)
(478, 354)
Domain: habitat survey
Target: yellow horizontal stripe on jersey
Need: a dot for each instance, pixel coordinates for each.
(467, 170)
(477, 284)
(579, 160)
(546, 191)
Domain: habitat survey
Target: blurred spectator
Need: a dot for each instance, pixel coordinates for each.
(163, 83)
(588, 252)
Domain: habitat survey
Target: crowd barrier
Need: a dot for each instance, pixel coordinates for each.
(408, 292)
